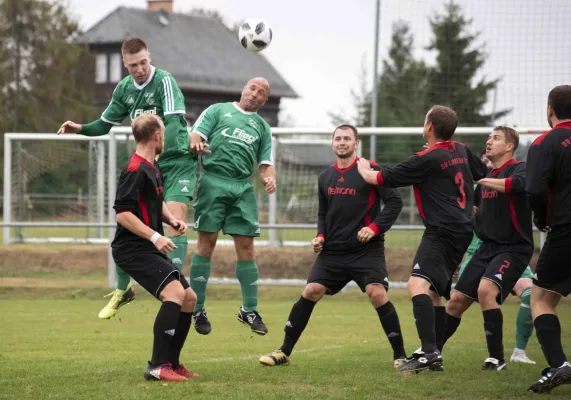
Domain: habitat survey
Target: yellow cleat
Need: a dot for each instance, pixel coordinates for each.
(277, 357)
(119, 299)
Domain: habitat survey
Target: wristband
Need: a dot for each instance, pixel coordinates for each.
(155, 237)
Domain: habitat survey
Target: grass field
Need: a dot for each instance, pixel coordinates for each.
(53, 346)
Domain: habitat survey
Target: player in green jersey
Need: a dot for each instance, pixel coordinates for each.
(150, 90)
(232, 138)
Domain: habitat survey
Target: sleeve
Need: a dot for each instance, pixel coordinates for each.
(95, 128)
(206, 122)
(173, 124)
(477, 195)
(322, 212)
(393, 206)
(477, 166)
(516, 182)
(265, 149)
(116, 111)
(540, 160)
(128, 191)
(412, 171)
(171, 96)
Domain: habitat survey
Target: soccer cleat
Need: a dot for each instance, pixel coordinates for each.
(162, 373)
(182, 371)
(551, 378)
(399, 362)
(437, 367)
(275, 358)
(119, 299)
(519, 356)
(253, 319)
(493, 364)
(201, 322)
(431, 361)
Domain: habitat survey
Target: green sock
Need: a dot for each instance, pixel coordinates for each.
(247, 273)
(199, 273)
(123, 278)
(178, 255)
(524, 323)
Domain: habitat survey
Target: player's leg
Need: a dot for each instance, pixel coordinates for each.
(123, 295)
(179, 209)
(459, 303)
(524, 322)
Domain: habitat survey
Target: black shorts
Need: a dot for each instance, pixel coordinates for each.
(335, 271)
(501, 264)
(151, 271)
(553, 269)
(437, 257)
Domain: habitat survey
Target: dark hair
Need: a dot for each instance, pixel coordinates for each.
(145, 126)
(133, 45)
(444, 121)
(347, 127)
(510, 135)
(560, 100)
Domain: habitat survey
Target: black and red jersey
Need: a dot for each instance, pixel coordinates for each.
(549, 177)
(442, 177)
(505, 218)
(347, 204)
(140, 191)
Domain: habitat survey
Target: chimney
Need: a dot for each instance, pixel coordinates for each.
(157, 5)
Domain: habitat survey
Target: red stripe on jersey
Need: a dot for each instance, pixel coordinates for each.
(439, 145)
(512, 212)
(370, 204)
(136, 161)
(418, 202)
(321, 235)
(380, 179)
(562, 125)
(508, 185)
(509, 162)
(375, 228)
(342, 170)
(144, 209)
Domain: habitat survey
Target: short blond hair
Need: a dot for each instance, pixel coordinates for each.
(145, 126)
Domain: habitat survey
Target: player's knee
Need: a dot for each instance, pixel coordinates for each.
(173, 292)
(206, 243)
(487, 293)
(189, 299)
(377, 294)
(245, 249)
(314, 291)
(457, 305)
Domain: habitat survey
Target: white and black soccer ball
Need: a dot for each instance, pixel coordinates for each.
(255, 34)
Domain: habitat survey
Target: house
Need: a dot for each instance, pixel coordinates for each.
(203, 55)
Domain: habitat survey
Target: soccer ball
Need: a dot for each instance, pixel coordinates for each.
(255, 34)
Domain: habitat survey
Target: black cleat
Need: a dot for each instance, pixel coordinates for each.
(437, 367)
(432, 362)
(551, 378)
(493, 364)
(201, 322)
(253, 319)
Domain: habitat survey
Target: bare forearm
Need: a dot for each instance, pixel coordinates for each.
(267, 171)
(493, 183)
(167, 215)
(135, 225)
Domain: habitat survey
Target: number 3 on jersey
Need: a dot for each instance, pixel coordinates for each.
(459, 180)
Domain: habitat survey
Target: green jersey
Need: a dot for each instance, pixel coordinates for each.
(238, 140)
(159, 95)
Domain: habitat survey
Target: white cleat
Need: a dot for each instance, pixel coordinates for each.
(519, 356)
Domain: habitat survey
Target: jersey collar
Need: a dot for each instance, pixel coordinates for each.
(509, 162)
(149, 79)
(242, 111)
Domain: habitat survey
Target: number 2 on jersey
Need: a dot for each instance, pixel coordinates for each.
(459, 180)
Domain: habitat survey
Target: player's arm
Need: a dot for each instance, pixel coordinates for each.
(514, 184)
(266, 162)
(409, 172)
(540, 162)
(477, 166)
(202, 128)
(174, 110)
(317, 242)
(169, 219)
(126, 203)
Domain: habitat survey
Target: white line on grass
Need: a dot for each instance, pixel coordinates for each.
(224, 359)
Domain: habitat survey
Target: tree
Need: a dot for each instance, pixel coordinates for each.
(452, 81)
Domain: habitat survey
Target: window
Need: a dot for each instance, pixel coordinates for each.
(115, 65)
(101, 68)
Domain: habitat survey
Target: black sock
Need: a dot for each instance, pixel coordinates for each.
(390, 322)
(439, 325)
(423, 312)
(182, 328)
(452, 324)
(164, 331)
(296, 323)
(493, 328)
(548, 331)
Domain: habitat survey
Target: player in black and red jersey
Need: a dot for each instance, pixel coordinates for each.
(140, 249)
(350, 243)
(503, 223)
(549, 189)
(442, 177)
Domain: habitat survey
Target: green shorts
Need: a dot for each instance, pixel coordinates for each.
(226, 204)
(179, 177)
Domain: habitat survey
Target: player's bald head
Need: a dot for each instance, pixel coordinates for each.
(261, 82)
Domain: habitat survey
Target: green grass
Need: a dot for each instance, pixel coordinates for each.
(55, 347)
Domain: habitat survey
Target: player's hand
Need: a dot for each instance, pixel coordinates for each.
(69, 127)
(541, 225)
(426, 146)
(269, 184)
(317, 244)
(199, 147)
(364, 168)
(179, 226)
(365, 234)
(164, 245)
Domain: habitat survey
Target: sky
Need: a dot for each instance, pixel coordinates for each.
(321, 47)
